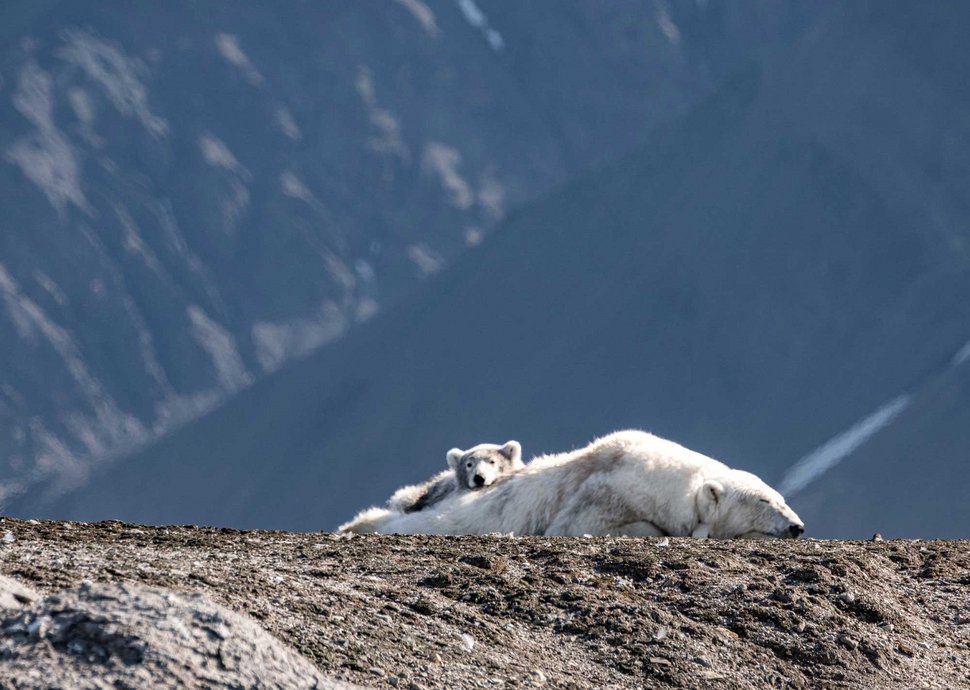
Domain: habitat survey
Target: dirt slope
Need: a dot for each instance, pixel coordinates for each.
(424, 612)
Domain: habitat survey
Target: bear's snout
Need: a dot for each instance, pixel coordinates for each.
(795, 531)
(479, 480)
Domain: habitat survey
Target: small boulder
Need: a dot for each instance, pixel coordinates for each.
(14, 595)
(125, 635)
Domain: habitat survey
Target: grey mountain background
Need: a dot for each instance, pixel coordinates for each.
(743, 226)
(196, 193)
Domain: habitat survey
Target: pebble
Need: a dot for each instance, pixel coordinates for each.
(8, 537)
(377, 671)
(39, 627)
(467, 642)
(783, 595)
(847, 597)
(848, 642)
(221, 631)
(712, 675)
(537, 677)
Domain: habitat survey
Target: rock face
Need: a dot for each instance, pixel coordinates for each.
(479, 612)
(126, 635)
(14, 595)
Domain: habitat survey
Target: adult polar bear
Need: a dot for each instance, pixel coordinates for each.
(627, 483)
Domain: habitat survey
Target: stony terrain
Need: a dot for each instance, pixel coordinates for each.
(122, 635)
(428, 612)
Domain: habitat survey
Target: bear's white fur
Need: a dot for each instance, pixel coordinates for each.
(627, 483)
(469, 470)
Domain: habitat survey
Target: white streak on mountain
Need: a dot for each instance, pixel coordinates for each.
(232, 52)
(221, 348)
(423, 14)
(835, 450)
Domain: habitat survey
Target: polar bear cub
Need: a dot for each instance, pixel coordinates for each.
(627, 483)
(468, 470)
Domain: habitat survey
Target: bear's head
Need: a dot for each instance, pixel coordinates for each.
(739, 504)
(482, 465)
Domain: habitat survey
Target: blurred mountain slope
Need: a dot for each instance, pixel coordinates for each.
(195, 194)
(761, 274)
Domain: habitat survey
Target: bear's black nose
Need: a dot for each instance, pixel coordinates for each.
(479, 480)
(795, 531)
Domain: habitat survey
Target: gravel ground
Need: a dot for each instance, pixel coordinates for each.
(491, 612)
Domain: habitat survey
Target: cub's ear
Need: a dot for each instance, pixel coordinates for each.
(708, 497)
(454, 457)
(513, 451)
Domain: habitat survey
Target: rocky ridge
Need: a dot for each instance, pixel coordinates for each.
(424, 612)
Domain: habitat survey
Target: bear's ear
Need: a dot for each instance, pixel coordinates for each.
(513, 451)
(708, 497)
(454, 457)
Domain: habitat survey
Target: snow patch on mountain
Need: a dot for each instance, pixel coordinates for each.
(962, 356)
(426, 260)
(666, 22)
(443, 161)
(50, 287)
(53, 458)
(103, 426)
(474, 16)
(287, 125)
(235, 203)
(388, 140)
(232, 52)
(834, 451)
(81, 105)
(279, 341)
(218, 343)
(217, 154)
(83, 108)
(44, 156)
(118, 75)
(293, 186)
(30, 320)
(177, 244)
(491, 197)
(134, 243)
(473, 236)
(423, 14)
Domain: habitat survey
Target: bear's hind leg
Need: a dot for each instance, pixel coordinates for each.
(595, 509)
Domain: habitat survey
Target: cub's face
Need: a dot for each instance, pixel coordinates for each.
(480, 466)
